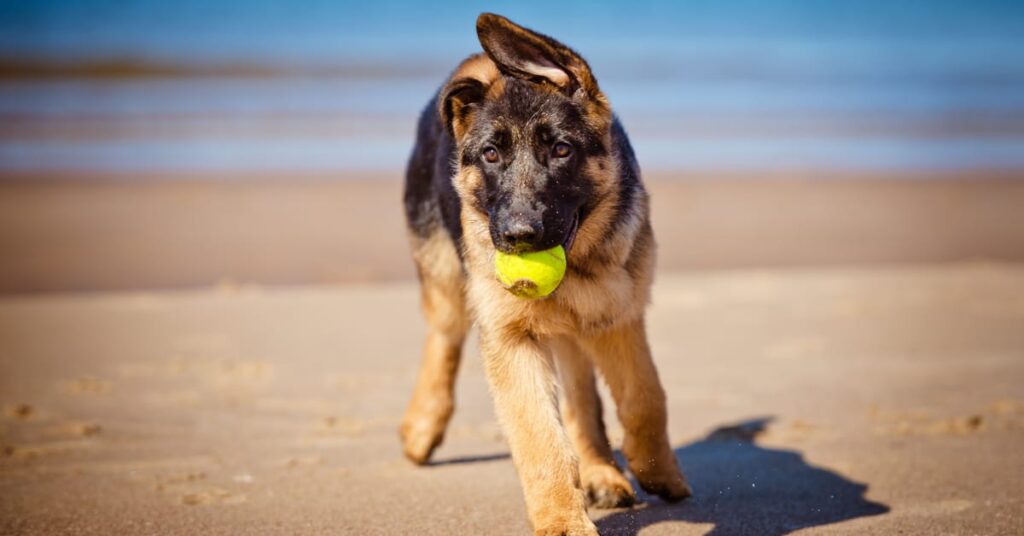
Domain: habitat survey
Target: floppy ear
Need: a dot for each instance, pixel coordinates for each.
(526, 54)
(465, 89)
(456, 103)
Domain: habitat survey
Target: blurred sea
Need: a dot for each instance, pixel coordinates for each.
(323, 86)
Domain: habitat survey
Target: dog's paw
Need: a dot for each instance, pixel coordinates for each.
(606, 487)
(670, 485)
(420, 436)
(581, 527)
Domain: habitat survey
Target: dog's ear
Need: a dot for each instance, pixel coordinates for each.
(526, 54)
(466, 88)
(458, 98)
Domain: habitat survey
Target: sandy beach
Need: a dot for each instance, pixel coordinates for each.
(874, 400)
(209, 317)
(841, 356)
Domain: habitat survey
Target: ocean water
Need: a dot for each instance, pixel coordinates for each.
(322, 86)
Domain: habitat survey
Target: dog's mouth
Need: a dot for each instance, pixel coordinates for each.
(570, 237)
(512, 248)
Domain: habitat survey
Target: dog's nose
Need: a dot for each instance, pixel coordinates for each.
(521, 232)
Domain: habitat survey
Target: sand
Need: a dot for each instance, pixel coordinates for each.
(870, 400)
(843, 354)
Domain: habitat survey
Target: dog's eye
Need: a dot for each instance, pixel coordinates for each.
(561, 150)
(491, 154)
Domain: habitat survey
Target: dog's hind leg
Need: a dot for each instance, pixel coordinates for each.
(444, 306)
(600, 476)
(624, 359)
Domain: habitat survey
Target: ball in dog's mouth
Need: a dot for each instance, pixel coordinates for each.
(531, 275)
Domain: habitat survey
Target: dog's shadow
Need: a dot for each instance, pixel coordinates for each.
(743, 488)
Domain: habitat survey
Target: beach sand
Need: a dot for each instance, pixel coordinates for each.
(844, 401)
(213, 357)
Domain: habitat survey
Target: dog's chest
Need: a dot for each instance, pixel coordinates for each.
(583, 305)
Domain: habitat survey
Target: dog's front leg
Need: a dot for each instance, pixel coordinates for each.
(521, 374)
(624, 359)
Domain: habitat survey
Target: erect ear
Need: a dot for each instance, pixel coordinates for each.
(465, 89)
(532, 56)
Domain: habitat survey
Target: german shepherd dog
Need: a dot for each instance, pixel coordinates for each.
(519, 151)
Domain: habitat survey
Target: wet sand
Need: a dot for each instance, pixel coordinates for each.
(836, 400)
(172, 231)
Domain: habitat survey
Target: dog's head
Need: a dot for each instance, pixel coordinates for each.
(531, 129)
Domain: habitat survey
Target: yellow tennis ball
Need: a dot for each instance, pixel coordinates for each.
(531, 275)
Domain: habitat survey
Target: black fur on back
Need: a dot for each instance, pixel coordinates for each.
(430, 198)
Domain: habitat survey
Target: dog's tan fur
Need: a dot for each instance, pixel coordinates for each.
(594, 319)
(443, 298)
